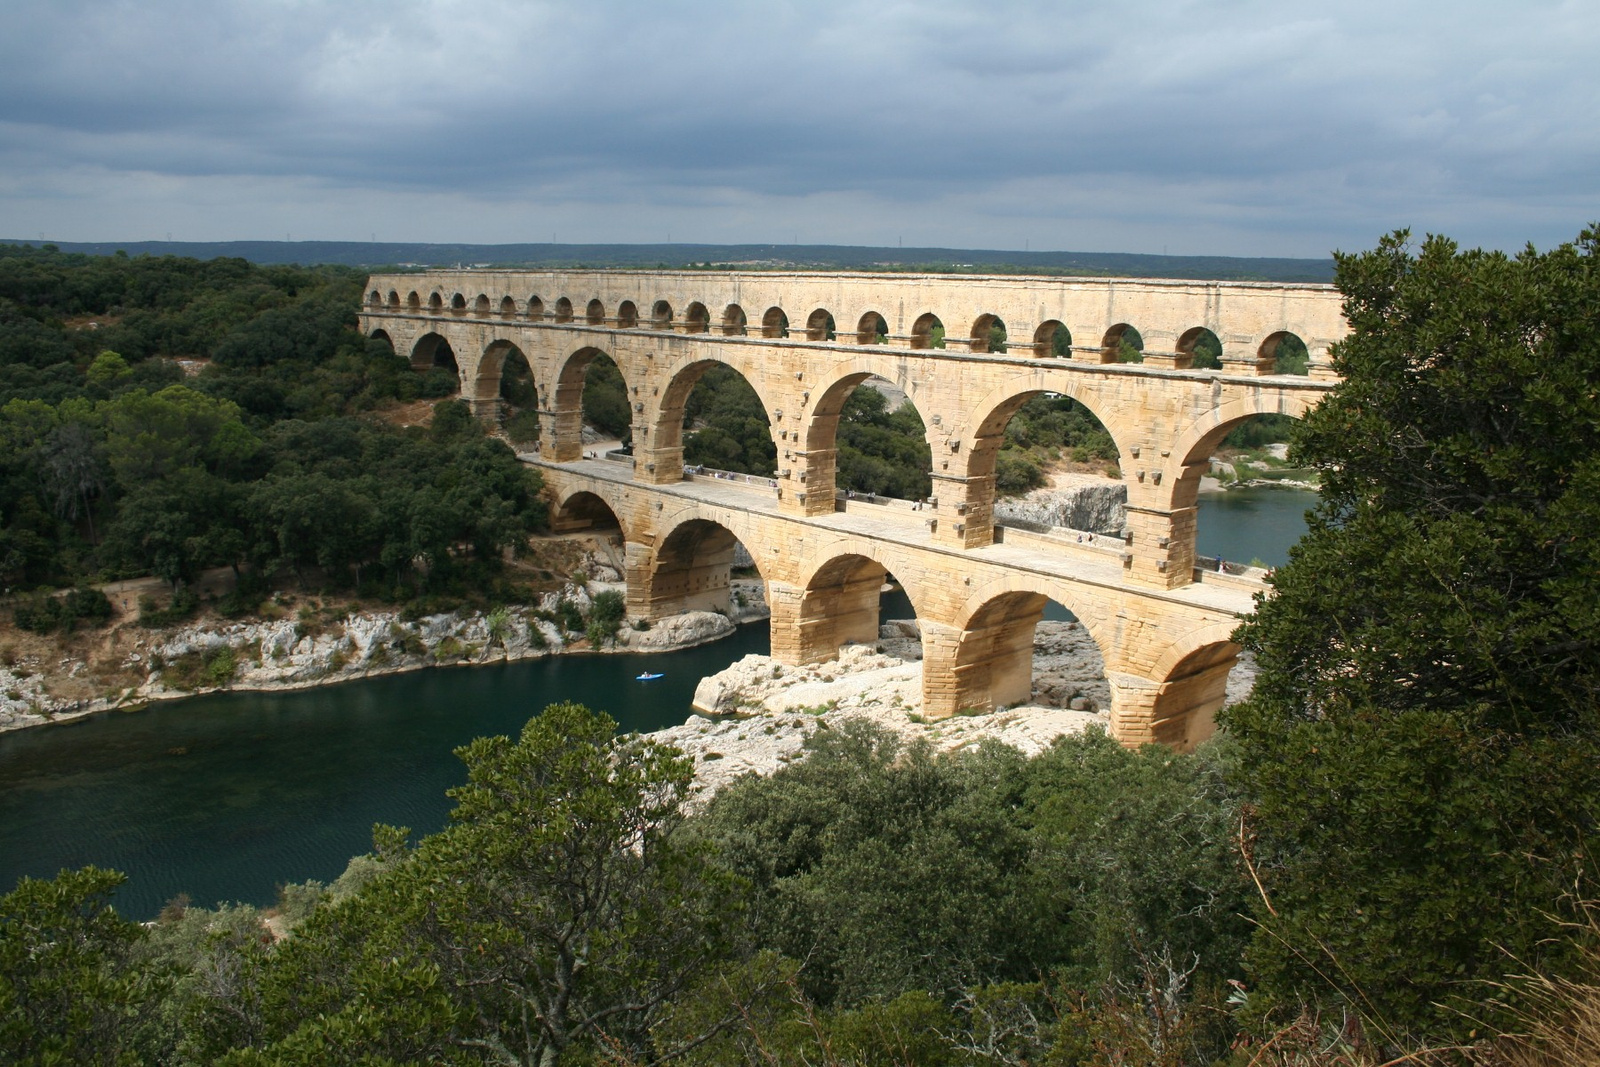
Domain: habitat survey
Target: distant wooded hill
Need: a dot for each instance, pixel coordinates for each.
(834, 257)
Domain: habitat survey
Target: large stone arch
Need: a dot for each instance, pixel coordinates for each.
(658, 445)
(1195, 442)
(975, 446)
(562, 413)
(1163, 512)
(836, 599)
(1190, 681)
(824, 404)
(689, 568)
(484, 395)
(586, 510)
(426, 352)
(986, 659)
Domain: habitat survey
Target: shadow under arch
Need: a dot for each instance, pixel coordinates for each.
(1052, 340)
(993, 664)
(820, 325)
(1193, 686)
(586, 511)
(872, 329)
(1122, 343)
(988, 334)
(1198, 349)
(691, 571)
(1283, 352)
(381, 334)
(774, 322)
(433, 350)
(840, 602)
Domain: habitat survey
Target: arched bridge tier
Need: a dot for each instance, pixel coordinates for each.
(1167, 652)
(803, 340)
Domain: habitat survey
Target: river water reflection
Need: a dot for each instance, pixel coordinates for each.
(225, 796)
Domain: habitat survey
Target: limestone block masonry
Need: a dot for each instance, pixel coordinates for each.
(804, 341)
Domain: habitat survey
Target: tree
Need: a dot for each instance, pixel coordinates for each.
(73, 471)
(886, 868)
(1423, 744)
(149, 436)
(560, 911)
(70, 991)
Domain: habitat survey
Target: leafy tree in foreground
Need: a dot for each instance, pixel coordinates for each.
(559, 914)
(1423, 744)
(70, 991)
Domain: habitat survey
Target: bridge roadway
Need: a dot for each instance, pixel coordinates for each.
(1166, 651)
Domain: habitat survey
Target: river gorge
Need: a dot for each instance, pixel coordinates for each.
(226, 795)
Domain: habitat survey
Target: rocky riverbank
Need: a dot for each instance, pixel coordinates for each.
(142, 665)
(1086, 503)
(754, 717)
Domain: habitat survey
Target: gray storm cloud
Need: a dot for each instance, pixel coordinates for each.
(1242, 128)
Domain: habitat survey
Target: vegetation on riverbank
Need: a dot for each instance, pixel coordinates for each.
(162, 416)
(1392, 830)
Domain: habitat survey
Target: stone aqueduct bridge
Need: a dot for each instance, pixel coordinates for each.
(804, 341)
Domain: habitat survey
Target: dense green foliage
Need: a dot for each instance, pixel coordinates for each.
(1424, 734)
(866, 900)
(892, 871)
(71, 988)
(882, 451)
(728, 428)
(115, 462)
(605, 400)
(1047, 429)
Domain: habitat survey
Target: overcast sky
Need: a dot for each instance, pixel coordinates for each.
(1231, 127)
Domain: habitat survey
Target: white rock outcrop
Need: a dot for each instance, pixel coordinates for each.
(1098, 506)
(754, 717)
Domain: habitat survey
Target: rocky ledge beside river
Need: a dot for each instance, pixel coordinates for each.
(754, 717)
(295, 654)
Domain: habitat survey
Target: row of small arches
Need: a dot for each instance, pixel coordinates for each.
(1196, 347)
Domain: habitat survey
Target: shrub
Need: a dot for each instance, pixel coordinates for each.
(523, 428)
(43, 614)
(568, 617)
(185, 602)
(1015, 473)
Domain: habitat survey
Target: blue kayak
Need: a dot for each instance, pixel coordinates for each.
(648, 677)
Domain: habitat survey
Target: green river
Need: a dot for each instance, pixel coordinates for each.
(227, 795)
